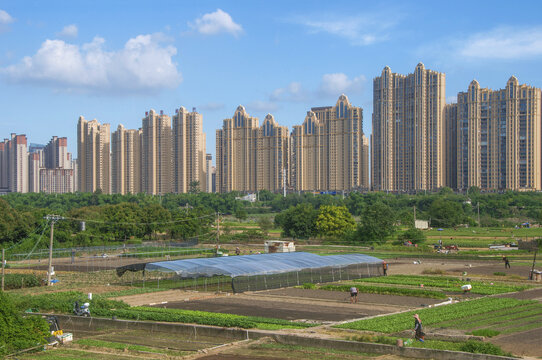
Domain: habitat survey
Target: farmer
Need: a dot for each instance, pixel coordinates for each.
(506, 262)
(385, 268)
(237, 251)
(353, 295)
(419, 334)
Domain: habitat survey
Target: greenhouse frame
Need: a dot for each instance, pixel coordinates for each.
(270, 271)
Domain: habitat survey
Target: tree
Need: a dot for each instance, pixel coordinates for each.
(377, 223)
(265, 224)
(298, 222)
(446, 213)
(334, 221)
(193, 187)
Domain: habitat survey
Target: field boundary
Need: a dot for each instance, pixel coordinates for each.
(73, 323)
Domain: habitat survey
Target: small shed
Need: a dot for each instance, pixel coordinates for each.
(421, 224)
(273, 246)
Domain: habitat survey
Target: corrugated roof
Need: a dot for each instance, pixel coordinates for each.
(260, 264)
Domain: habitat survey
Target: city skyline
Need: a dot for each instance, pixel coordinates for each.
(270, 57)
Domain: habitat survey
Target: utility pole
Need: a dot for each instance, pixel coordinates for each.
(478, 206)
(414, 215)
(3, 267)
(52, 219)
(217, 230)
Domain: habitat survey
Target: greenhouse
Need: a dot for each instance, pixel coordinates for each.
(270, 271)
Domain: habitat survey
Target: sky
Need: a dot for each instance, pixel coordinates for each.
(114, 60)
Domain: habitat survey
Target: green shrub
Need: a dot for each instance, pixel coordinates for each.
(499, 273)
(482, 348)
(18, 281)
(486, 332)
(17, 332)
(309, 286)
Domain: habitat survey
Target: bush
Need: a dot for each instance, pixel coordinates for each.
(499, 273)
(415, 236)
(485, 332)
(16, 332)
(482, 348)
(309, 286)
(19, 281)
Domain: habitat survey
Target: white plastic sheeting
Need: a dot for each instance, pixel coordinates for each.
(260, 264)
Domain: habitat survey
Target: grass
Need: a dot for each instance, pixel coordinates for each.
(124, 347)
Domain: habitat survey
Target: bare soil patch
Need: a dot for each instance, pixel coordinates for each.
(526, 343)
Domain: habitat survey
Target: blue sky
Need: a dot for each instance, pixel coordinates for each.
(114, 60)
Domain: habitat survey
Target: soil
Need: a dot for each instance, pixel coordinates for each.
(525, 343)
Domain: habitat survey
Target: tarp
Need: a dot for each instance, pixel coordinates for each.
(259, 264)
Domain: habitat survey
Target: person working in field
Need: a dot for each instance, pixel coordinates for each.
(418, 333)
(385, 268)
(506, 262)
(353, 295)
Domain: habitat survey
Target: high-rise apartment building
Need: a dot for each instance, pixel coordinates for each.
(56, 153)
(498, 137)
(450, 143)
(327, 152)
(272, 155)
(34, 171)
(156, 149)
(189, 150)
(407, 144)
(364, 164)
(209, 172)
(17, 163)
(236, 147)
(56, 181)
(93, 158)
(126, 161)
(4, 166)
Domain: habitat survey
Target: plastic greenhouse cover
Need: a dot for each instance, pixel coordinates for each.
(259, 264)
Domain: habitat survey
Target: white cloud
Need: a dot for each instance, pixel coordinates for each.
(359, 29)
(339, 83)
(5, 18)
(264, 106)
(215, 23)
(502, 43)
(143, 65)
(69, 31)
(293, 92)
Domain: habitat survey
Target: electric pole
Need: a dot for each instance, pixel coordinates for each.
(217, 230)
(52, 219)
(478, 206)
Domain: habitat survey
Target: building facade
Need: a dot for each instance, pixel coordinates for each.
(236, 147)
(189, 150)
(327, 151)
(16, 168)
(209, 173)
(407, 144)
(56, 181)
(93, 156)
(498, 137)
(156, 149)
(272, 155)
(126, 161)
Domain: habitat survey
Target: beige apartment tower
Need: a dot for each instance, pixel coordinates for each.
(93, 158)
(272, 155)
(498, 137)
(14, 164)
(327, 151)
(126, 161)
(188, 151)
(236, 147)
(407, 144)
(156, 149)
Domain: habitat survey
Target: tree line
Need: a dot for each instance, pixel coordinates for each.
(118, 218)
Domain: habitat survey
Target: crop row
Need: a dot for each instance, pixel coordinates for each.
(446, 283)
(386, 290)
(519, 311)
(101, 306)
(435, 315)
(196, 317)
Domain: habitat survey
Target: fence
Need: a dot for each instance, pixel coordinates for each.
(320, 275)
